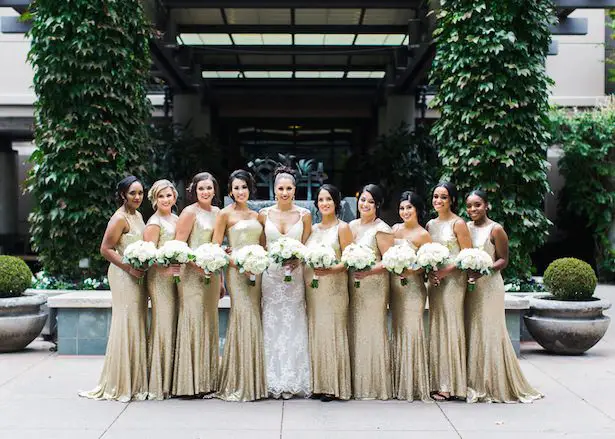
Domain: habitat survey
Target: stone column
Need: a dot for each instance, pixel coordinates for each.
(8, 188)
(398, 109)
(188, 111)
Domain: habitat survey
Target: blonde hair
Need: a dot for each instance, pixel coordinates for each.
(158, 187)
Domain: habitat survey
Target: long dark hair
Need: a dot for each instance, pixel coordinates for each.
(245, 176)
(203, 176)
(122, 188)
(452, 193)
(376, 193)
(417, 201)
(335, 196)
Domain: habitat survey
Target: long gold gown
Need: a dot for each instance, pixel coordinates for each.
(370, 357)
(197, 352)
(408, 343)
(494, 374)
(447, 341)
(327, 309)
(124, 374)
(163, 327)
(242, 373)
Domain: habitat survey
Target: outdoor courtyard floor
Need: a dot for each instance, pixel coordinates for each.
(38, 399)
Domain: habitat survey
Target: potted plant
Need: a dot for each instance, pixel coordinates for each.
(569, 320)
(21, 317)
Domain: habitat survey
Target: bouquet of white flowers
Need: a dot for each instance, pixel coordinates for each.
(432, 256)
(319, 256)
(474, 259)
(140, 255)
(211, 258)
(358, 257)
(286, 249)
(399, 258)
(174, 252)
(253, 259)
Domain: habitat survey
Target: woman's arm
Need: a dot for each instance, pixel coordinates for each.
(501, 247)
(307, 226)
(219, 227)
(115, 228)
(184, 224)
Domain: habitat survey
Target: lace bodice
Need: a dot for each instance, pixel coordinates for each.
(167, 227)
(272, 233)
(443, 233)
(135, 232)
(203, 227)
(328, 236)
(366, 233)
(481, 238)
(245, 232)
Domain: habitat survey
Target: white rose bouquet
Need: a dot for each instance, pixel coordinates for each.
(358, 257)
(432, 256)
(474, 259)
(140, 255)
(253, 259)
(398, 259)
(211, 258)
(320, 256)
(286, 249)
(174, 252)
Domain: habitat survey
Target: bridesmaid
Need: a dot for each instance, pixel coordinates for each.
(242, 373)
(369, 341)
(494, 374)
(124, 374)
(327, 305)
(160, 228)
(447, 342)
(198, 346)
(285, 331)
(409, 348)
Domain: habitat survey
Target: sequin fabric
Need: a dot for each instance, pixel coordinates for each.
(369, 341)
(242, 372)
(494, 374)
(124, 374)
(447, 342)
(327, 308)
(197, 350)
(408, 342)
(163, 326)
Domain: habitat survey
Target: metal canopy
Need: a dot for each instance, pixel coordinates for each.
(250, 43)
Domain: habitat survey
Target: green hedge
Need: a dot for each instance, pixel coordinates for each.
(570, 279)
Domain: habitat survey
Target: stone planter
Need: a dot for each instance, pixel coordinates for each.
(565, 327)
(21, 321)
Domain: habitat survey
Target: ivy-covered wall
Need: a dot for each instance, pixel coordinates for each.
(91, 65)
(493, 98)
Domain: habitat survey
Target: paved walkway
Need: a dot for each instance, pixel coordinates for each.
(38, 399)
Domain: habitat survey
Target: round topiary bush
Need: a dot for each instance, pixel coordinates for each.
(570, 279)
(15, 276)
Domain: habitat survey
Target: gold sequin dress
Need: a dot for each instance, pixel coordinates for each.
(242, 373)
(163, 327)
(327, 309)
(370, 357)
(124, 374)
(408, 343)
(197, 352)
(447, 341)
(494, 374)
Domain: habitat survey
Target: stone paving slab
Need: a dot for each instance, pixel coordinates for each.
(38, 399)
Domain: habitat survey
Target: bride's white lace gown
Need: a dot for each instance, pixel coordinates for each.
(285, 330)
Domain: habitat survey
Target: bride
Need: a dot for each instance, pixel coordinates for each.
(283, 303)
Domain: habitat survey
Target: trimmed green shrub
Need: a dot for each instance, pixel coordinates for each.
(15, 276)
(570, 279)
